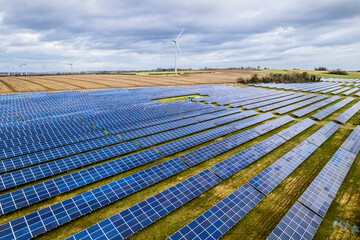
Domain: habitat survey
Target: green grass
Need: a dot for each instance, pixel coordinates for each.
(177, 99)
(259, 223)
(322, 74)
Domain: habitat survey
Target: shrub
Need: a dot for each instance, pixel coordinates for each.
(281, 78)
(338, 72)
(320, 69)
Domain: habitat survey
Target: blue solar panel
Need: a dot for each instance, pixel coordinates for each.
(173, 134)
(182, 144)
(321, 192)
(65, 211)
(315, 106)
(299, 105)
(131, 220)
(49, 169)
(220, 218)
(272, 176)
(55, 153)
(295, 129)
(234, 117)
(352, 143)
(349, 113)
(284, 103)
(298, 223)
(41, 191)
(280, 99)
(218, 114)
(324, 133)
(52, 143)
(205, 153)
(326, 112)
(252, 121)
(239, 161)
(269, 126)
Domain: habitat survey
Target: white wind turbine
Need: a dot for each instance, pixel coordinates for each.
(176, 45)
(71, 67)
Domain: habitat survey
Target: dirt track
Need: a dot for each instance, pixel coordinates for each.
(19, 84)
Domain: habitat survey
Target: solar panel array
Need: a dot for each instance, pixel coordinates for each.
(233, 164)
(212, 150)
(65, 211)
(349, 113)
(220, 218)
(315, 106)
(133, 219)
(305, 216)
(299, 105)
(68, 140)
(273, 175)
(328, 111)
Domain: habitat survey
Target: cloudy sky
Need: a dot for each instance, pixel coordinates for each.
(132, 34)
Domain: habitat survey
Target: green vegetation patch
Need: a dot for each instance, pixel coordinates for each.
(177, 99)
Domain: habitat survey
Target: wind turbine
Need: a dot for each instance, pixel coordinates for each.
(71, 67)
(20, 65)
(8, 67)
(26, 73)
(176, 45)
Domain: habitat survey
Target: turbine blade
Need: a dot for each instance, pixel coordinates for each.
(177, 44)
(179, 34)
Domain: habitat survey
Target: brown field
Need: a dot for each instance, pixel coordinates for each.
(19, 84)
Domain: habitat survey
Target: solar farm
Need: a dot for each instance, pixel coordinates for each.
(266, 161)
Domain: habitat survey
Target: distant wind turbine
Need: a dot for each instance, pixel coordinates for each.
(71, 66)
(20, 65)
(176, 45)
(8, 67)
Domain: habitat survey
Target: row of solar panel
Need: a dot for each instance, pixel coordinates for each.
(224, 215)
(123, 230)
(303, 219)
(248, 122)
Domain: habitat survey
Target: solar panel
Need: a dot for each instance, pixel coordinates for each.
(352, 143)
(218, 114)
(49, 169)
(321, 192)
(298, 223)
(340, 90)
(264, 103)
(272, 176)
(320, 136)
(234, 117)
(207, 152)
(297, 128)
(55, 153)
(220, 218)
(269, 126)
(284, 103)
(239, 161)
(252, 121)
(41, 191)
(350, 91)
(349, 113)
(131, 220)
(173, 134)
(326, 112)
(299, 105)
(55, 215)
(315, 106)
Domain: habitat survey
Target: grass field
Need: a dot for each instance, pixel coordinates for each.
(322, 74)
(342, 221)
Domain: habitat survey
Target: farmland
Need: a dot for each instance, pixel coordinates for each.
(20, 84)
(147, 140)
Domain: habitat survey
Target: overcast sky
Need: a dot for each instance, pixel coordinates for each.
(132, 35)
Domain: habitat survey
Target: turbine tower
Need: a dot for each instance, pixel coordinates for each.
(176, 45)
(8, 67)
(20, 65)
(71, 67)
